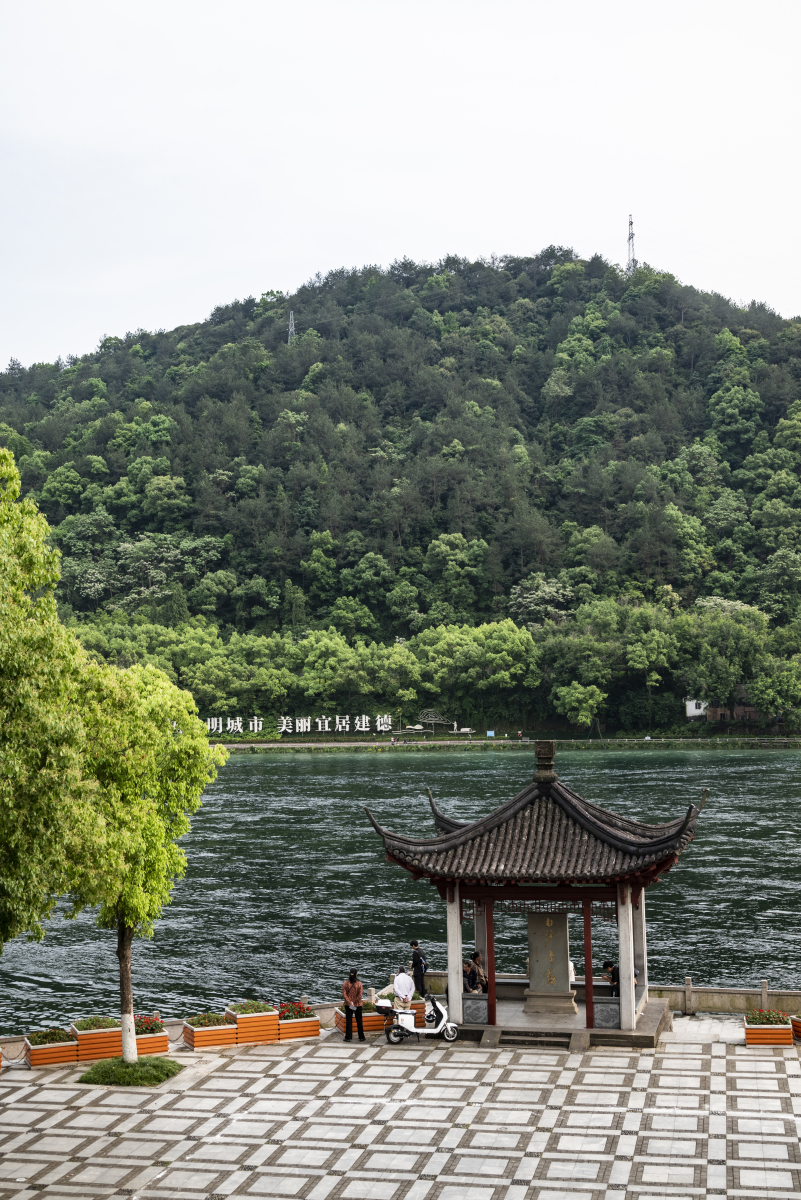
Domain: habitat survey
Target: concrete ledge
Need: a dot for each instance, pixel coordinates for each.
(689, 999)
(655, 1019)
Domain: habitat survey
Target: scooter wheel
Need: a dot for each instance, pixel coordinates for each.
(395, 1035)
(450, 1033)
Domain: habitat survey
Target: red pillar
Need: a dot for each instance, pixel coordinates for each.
(491, 1011)
(587, 904)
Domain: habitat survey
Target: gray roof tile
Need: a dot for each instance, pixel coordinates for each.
(545, 834)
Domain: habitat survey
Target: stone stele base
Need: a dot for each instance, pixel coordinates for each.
(549, 1002)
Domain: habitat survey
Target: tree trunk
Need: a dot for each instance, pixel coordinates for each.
(124, 939)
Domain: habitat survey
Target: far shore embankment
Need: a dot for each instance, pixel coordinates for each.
(512, 744)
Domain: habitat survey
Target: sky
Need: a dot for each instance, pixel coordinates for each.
(161, 158)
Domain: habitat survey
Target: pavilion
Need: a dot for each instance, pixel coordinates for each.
(546, 853)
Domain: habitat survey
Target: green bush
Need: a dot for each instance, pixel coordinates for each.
(46, 1037)
(146, 1072)
(207, 1020)
(245, 1007)
(96, 1023)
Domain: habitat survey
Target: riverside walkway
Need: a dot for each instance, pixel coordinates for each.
(700, 1115)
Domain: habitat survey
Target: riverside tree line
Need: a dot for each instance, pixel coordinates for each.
(520, 489)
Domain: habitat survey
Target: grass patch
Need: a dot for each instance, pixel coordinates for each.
(147, 1072)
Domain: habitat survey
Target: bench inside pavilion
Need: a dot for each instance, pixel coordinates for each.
(546, 853)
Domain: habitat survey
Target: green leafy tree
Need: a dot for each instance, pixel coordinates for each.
(46, 814)
(776, 688)
(578, 703)
(150, 759)
(651, 649)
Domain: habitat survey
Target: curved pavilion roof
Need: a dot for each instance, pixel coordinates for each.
(545, 834)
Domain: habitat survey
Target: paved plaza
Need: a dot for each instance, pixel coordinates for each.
(323, 1120)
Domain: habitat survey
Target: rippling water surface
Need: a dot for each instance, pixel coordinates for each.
(287, 885)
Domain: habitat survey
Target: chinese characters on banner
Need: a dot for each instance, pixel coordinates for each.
(233, 724)
(336, 724)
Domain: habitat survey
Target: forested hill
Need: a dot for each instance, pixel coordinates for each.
(542, 451)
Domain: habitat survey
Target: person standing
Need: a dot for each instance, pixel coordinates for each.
(419, 967)
(404, 990)
(352, 993)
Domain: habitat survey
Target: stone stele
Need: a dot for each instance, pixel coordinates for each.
(548, 965)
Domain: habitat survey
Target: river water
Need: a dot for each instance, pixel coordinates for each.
(287, 885)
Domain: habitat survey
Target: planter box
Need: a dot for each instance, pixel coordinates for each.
(301, 1027)
(210, 1035)
(418, 1008)
(371, 1022)
(796, 1026)
(97, 1043)
(768, 1035)
(50, 1053)
(255, 1027)
(152, 1043)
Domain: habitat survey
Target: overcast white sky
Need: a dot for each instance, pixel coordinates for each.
(163, 157)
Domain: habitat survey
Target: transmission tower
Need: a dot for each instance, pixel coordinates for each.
(631, 265)
(291, 327)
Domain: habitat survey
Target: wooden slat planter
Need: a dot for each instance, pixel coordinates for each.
(50, 1053)
(97, 1043)
(211, 1035)
(301, 1027)
(768, 1035)
(796, 1026)
(255, 1027)
(371, 1022)
(152, 1043)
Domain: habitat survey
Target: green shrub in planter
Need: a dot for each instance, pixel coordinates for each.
(208, 1019)
(96, 1023)
(47, 1037)
(247, 1007)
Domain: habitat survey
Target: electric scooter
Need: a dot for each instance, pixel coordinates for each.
(437, 1023)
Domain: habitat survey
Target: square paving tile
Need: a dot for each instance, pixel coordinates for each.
(274, 1185)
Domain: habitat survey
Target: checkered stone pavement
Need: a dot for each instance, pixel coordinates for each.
(423, 1121)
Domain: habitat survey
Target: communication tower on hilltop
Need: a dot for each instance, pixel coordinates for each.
(292, 326)
(631, 265)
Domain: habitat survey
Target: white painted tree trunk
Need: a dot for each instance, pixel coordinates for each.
(129, 1054)
(124, 940)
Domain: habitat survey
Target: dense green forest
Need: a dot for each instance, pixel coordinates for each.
(528, 490)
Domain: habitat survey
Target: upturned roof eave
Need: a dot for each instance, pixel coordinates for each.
(644, 873)
(667, 837)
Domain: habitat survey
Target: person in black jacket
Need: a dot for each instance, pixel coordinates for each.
(470, 978)
(612, 973)
(418, 967)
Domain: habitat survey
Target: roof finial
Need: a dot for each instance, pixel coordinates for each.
(545, 756)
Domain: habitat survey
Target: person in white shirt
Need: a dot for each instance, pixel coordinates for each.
(404, 989)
